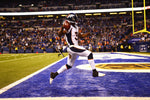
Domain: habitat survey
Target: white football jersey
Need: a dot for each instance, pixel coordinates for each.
(72, 35)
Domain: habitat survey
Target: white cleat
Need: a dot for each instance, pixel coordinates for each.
(51, 80)
(52, 76)
(101, 74)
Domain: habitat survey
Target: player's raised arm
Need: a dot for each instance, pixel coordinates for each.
(64, 29)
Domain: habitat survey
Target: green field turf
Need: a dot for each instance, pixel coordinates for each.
(16, 66)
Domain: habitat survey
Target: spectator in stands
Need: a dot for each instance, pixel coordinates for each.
(16, 49)
(2, 49)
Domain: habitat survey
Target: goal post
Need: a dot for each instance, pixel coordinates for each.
(133, 21)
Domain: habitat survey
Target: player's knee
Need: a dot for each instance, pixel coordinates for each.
(90, 56)
(68, 67)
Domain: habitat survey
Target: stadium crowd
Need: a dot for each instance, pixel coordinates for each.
(32, 33)
(107, 34)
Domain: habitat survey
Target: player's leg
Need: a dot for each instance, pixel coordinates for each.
(92, 64)
(83, 52)
(62, 69)
(89, 55)
(70, 61)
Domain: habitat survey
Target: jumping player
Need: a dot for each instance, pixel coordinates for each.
(70, 30)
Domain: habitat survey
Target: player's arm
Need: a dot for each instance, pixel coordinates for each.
(84, 35)
(64, 29)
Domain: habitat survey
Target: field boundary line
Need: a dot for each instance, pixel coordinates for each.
(4, 89)
(80, 98)
(132, 53)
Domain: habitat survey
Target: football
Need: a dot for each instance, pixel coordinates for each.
(66, 24)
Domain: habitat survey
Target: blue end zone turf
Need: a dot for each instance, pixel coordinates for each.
(77, 82)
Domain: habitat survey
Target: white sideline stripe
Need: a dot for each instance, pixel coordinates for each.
(134, 54)
(27, 77)
(20, 58)
(72, 11)
(131, 53)
(80, 98)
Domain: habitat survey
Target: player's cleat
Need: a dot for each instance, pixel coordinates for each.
(95, 73)
(52, 76)
(101, 74)
(51, 80)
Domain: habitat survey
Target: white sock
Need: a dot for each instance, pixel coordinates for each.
(92, 64)
(62, 69)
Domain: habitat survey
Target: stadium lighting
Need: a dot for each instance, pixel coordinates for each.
(71, 11)
(40, 16)
(20, 5)
(112, 13)
(63, 15)
(123, 13)
(88, 14)
(49, 16)
(139, 12)
(32, 5)
(97, 14)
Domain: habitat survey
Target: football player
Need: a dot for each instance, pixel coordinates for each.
(71, 32)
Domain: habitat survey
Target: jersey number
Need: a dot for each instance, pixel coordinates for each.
(76, 37)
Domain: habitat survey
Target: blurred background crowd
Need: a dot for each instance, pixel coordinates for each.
(109, 33)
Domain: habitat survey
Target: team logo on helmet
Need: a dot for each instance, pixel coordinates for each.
(72, 18)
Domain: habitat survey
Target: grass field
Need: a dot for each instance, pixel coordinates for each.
(16, 66)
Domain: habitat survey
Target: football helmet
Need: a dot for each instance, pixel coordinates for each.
(72, 18)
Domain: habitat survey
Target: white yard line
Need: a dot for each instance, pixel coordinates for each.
(133, 54)
(25, 78)
(80, 98)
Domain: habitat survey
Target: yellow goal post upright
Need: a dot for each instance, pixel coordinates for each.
(145, 28)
